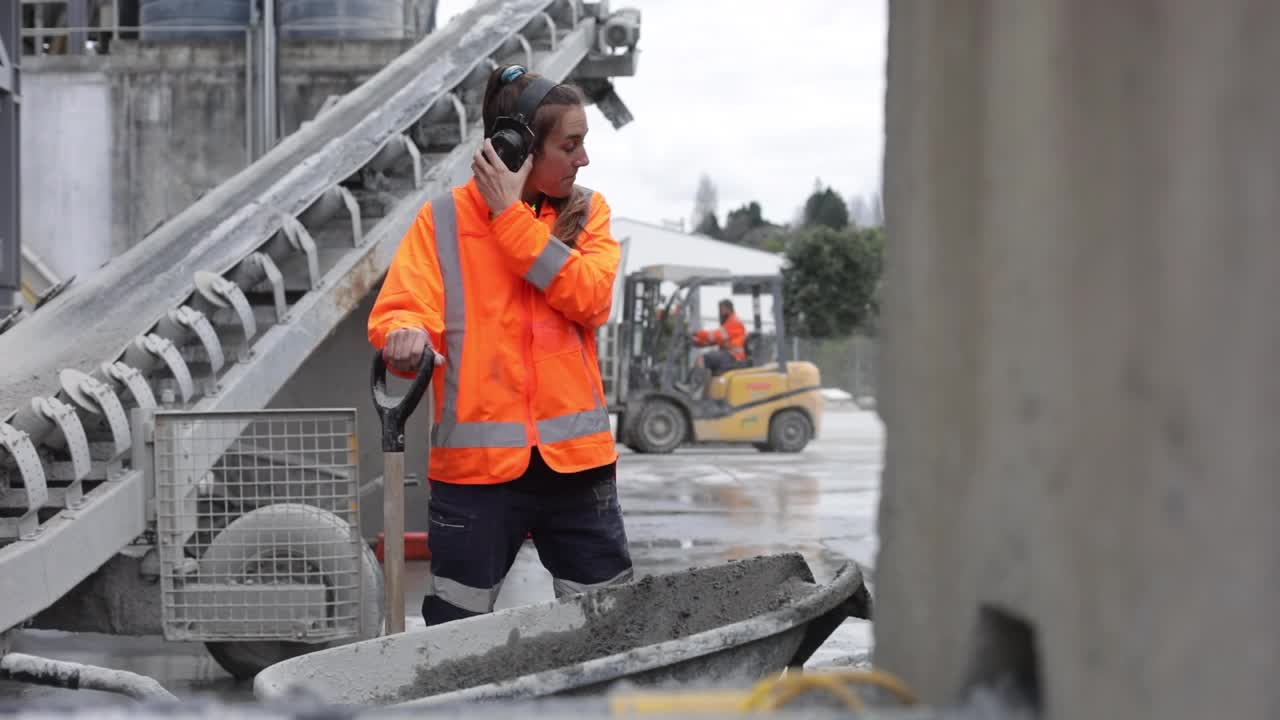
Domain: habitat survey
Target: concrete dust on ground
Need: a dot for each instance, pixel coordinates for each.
(697, 507)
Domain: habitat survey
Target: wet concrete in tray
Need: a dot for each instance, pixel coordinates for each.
(695, 508)
(692, 602)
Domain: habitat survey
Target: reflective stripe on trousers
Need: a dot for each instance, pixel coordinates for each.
(449, 432)
(564, 587)
(475, 600)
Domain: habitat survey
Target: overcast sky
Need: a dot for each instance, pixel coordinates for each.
(784, 93)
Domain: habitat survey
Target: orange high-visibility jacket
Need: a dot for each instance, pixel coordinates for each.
(514, 312)
(731, 336)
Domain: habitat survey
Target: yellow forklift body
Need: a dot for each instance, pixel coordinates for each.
(754, 396)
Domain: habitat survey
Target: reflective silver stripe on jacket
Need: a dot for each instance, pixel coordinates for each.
(549, 263)
(574, 425)
(449, 432)
(553, 257)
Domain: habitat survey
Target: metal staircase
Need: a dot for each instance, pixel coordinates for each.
(221, 305)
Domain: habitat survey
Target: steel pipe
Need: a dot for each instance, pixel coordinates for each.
(541, 28)
(516, 45)
(20, 667)
(444, 125)
(566, 12)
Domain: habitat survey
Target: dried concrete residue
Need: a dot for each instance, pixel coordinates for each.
(650, 611)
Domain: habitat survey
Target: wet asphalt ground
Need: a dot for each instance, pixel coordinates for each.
(696, 507)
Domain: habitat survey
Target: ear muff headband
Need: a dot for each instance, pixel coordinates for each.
(530, 98)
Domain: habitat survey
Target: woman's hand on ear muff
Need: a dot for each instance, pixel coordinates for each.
(500, 187)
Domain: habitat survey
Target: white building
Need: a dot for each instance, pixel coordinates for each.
(645, 244)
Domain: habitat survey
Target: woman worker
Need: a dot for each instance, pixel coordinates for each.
(506, 279)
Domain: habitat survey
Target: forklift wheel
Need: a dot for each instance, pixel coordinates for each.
(660, 429)
(789, 431)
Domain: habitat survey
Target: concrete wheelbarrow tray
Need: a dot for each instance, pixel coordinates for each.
(730, 624)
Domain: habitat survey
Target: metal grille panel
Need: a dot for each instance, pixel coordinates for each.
(258, 523)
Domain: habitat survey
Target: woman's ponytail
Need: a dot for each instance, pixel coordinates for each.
(572, 217)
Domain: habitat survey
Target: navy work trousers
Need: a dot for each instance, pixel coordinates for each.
(719, 360)
(476, 531)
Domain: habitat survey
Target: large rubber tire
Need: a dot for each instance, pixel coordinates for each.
(625, 423)
(789, 431)
(319, 533)
(660, 428)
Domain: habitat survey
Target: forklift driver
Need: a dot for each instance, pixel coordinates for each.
(730, 339)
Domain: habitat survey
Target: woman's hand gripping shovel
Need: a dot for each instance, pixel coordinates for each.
(394, 412)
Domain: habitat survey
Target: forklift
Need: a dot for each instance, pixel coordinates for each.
(768, 400)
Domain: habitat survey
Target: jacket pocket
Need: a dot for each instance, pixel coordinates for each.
(553, 336)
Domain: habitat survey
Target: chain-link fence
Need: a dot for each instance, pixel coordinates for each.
(848, 363)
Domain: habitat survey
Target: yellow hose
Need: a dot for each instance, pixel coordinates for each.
(774, 694)
(768, 695)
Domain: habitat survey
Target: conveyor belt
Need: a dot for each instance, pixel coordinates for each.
(223, 303)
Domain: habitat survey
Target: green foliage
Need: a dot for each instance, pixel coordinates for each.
(710, 227)
(741, 222)
(831, 280)
(826, 207)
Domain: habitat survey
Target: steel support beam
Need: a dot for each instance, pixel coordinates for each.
(37, 570)
(70, 547)
(77, 19)
(10, 206)
(270, 76)
(98, 316)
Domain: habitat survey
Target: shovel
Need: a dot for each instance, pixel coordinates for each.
(393, 412)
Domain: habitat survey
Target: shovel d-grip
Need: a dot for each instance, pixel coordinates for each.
(394, 412)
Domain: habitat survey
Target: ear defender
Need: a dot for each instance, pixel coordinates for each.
(512, 136)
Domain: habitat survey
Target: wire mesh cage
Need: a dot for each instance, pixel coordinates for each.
(258, 525)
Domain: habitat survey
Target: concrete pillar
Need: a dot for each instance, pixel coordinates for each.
(1082, 356)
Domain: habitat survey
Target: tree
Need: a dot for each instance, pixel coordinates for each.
(710, 227)
(826, 207)
(741, 221)
(705, 202)
(767, 237)
(831, 279)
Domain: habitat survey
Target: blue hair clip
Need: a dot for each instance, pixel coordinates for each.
(512, 73)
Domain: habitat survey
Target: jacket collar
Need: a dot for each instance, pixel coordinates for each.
(477, 197)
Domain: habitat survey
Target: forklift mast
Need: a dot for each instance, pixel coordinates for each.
(638, 366)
